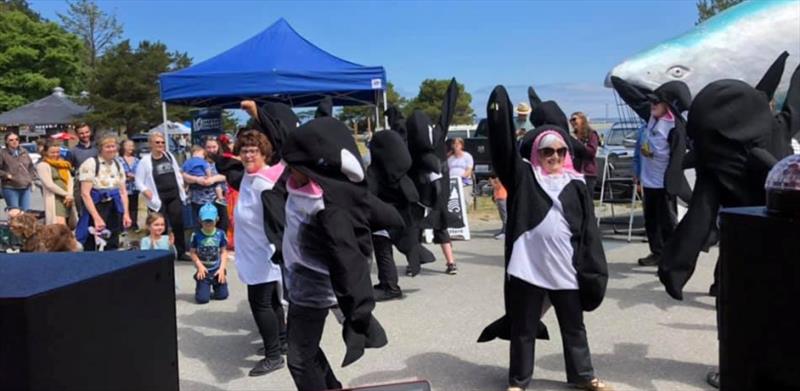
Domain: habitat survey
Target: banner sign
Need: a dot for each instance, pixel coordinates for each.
(457, 222)
(206, 122)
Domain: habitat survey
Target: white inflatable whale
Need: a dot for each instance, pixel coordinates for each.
(738, 43)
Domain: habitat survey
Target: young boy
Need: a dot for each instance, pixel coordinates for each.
(210, 257)
(199, 167)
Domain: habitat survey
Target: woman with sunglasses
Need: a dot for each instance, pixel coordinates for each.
(553, 247)
(158, 178)
(585, 149)
(16, 174)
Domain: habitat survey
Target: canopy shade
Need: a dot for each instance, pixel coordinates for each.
(54, 109)
(279, 65)
(172, 128)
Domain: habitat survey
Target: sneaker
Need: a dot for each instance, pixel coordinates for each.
(594, 385)
(386, 294)
(267, 365)
(500, 236)
(451, 269)
(650, 260)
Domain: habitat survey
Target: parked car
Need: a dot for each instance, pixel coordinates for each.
(33, 151)
(619, 143)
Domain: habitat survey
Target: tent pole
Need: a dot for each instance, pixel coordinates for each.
(166, 130)
(385, 107)
(377, 119)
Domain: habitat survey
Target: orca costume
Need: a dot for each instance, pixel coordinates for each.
(736, 141)
(330, 219)
(388, 180)
(557, 211)
(429, 170)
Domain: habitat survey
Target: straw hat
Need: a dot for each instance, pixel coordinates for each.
(523, 109)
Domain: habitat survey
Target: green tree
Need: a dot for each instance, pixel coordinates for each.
(35, 57)
(98, 29)
(431, 96)
(125, 93)
(709, 8)
(357, 116)
(21, 6)
(229, 121)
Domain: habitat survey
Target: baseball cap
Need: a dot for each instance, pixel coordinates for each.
(208, 212)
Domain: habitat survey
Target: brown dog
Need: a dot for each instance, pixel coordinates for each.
(37, 237)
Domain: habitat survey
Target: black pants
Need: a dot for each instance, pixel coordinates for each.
(384, 258)
(265, 304)
(133, 209)
(525, 310)
(307, 363)
(172, 209)
(660, 218)
(222, 211)
(113, 220)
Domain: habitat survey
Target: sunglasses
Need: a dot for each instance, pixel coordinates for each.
(158, 142)
(573, 119)
(547, 152)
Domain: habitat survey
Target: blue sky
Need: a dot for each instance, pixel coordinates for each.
(563, 48)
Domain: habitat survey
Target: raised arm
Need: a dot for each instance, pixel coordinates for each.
(268, 121)
(633, 97)
(789, 117)
(502, 143)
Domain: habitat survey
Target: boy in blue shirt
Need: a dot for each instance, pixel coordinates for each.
(197, 166)
(210, 257)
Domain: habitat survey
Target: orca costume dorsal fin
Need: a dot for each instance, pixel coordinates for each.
(325, 108)
(769, 82)
(533, 98)
(448, 106)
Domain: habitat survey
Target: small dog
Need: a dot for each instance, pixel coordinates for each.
(37, 237)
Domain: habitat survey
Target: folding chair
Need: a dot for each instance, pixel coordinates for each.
(617, 178)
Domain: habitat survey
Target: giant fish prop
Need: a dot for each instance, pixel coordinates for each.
(738, 43)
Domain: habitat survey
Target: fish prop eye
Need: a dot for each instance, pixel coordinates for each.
(678, 71)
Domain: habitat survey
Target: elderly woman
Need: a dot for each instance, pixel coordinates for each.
(254, 249)
(129, 162)
(159, 179)
(16, 174)
(553, 249)
(57, 186)
(105, 198)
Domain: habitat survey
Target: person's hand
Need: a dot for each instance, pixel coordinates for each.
(126, 220)
(220, 274)
(207, 181)
(202, 272)
(171, 239)
(9, 176)
(99, 224)
(249, 106)
(148, 194)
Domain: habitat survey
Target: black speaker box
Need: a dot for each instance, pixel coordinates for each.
(759, 292)
(88, 321)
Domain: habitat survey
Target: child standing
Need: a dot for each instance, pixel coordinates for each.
(210, 257)
(499, 195)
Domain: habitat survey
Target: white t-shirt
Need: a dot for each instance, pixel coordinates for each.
(543, 255)
(654, 163)
(459, 165)
(253, 249)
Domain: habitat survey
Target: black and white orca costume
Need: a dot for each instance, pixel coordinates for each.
(332, 226)
(388, 179)
(429, 171)
(736, 140)
(530, 205)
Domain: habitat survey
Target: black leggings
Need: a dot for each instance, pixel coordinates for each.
(384, 258)
(172, 209)
(660, 218)
(265, 304)
(307, 363)
(133, 209)
(525, 310)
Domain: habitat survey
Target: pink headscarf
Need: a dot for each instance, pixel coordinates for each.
(567, 168)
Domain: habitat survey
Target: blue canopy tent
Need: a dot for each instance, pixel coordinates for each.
(277, 64)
